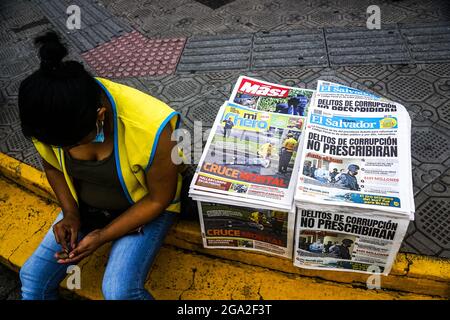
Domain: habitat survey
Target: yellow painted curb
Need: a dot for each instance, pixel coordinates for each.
(26, 176)
(176, 273)
(412, 275)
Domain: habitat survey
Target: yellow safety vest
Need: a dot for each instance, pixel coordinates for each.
(138, 122)
(266, 150)
(290, 144)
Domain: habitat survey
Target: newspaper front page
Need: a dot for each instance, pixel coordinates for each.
(250, 155)
(338, 240)
(265, 96)
(356, 152)
(233, 227)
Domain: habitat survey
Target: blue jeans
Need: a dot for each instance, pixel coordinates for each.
(129, 262)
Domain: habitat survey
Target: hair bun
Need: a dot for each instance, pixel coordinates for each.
(51, 50)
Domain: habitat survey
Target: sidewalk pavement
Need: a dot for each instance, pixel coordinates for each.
(189, 54)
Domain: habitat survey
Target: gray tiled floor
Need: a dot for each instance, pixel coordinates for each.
(423, 86)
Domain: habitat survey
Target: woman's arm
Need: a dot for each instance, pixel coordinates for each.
(58, 183)
(162, 178)
(66, 231)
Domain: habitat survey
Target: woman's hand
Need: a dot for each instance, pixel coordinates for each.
(66, 231)
(86, 247)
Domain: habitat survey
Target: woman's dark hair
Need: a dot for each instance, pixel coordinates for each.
(58, 103)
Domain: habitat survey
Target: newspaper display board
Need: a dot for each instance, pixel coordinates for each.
(232, 227)
(354, 194)
(337, 240)
(250, 155)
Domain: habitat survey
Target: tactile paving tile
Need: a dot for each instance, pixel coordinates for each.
(428, 42)
(134, 55)
(97, 24)
(347, 46)
(263, 50)
(289, 49)
(337, 46)
(225, 52)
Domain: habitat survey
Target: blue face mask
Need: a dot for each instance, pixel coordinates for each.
(100, 137)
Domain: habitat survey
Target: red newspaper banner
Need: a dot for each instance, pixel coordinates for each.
(262, 89)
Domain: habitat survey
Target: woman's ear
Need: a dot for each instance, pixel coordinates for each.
(101, 113)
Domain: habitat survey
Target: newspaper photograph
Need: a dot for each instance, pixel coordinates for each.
(251, 154)
(355, 151)
(265, 96)
(343, 241)
(233, 227)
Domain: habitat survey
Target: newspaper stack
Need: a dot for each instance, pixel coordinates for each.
(246, 177)
(354, 195)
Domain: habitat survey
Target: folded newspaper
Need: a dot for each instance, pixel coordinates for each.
(342, 154)
(246, 177)
(354, 192)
